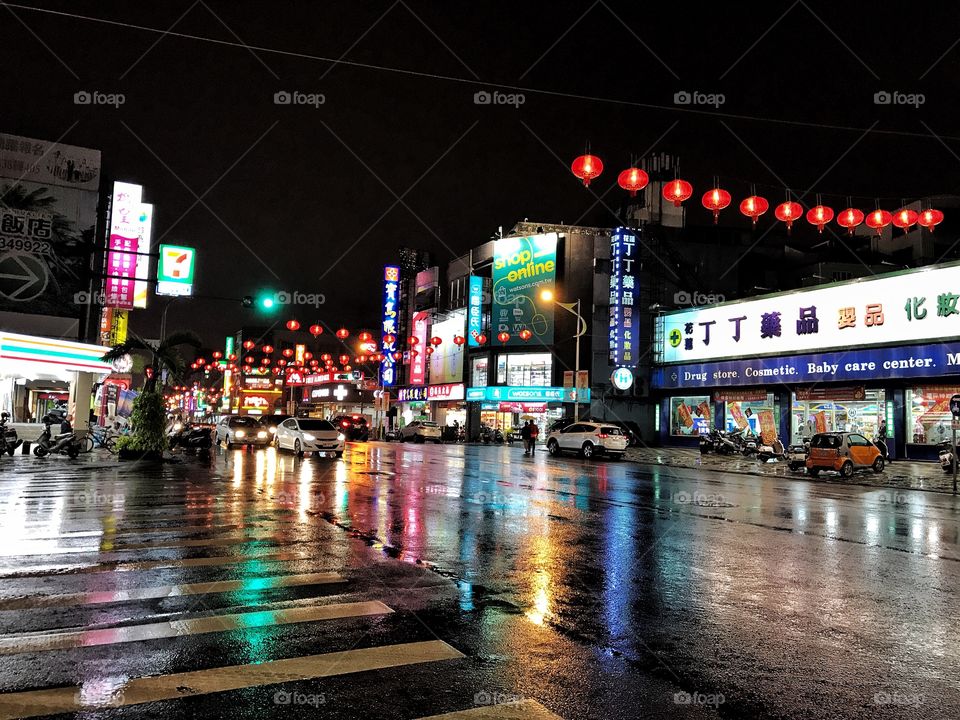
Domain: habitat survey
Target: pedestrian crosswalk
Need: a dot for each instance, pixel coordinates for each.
(105, 609)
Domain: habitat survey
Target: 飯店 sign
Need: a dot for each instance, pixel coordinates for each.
(453, 391)
(902, 308)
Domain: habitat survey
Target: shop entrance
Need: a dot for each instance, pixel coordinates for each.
(837, 410)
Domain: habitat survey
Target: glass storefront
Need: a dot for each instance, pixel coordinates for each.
(479, 376)
(742, 414)
(928, 413)
(510, 417)
(527, 369)
(858, 411)
(690, 415)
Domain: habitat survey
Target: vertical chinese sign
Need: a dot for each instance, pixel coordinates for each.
(122, 245)
(624, 324)
(418, 361)
(474, 310)
(391, 298)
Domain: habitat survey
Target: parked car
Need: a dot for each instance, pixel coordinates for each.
(588, 439)
(420, 431)
(355, 427)
(241, 430)
(843, 452)
(309, 435)
(628, 428)
(271, 422)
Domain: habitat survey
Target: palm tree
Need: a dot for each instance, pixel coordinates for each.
(163, 356)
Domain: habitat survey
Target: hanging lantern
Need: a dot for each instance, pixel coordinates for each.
(435, 341)
(819, 215)
(201, 361)
(344, 359)
(248, 368)
(326, 357)
(248, 344)
(232, 357)
(633, 180)
(293, 325)
(413, 341)
(265, 361)
(343, 333)
(389, 339)
(347, 368)
(905, 218)
(316, 330)
(281, 362)
(503, 336)
(414, 353)
(267, 349)
(879, 219)
(397, 356)
(716, 200)
(930, 218)
(249, 360)
(676, 191)
(365, 337)
(849, 219)
(430, 350)
(314, 363)
(307, 355)
(787, 212)
(481, 339)
(525, 334)
(587, 167)
(288, 352)
(753, 207)
(459, 339)
(193, 366)
(217, 354)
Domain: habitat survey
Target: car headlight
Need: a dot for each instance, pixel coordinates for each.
(341, 437)
(262, 434)
(273, 431)
(177, 427)
(308, 437)
(239, 433)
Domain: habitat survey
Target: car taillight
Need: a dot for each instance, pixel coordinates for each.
(602, 435)
(345, 424)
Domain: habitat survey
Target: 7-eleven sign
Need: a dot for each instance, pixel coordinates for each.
(175, 270)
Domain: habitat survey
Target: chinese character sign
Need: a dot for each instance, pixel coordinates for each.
(144, 228)
(474, 310)
(624, 323)
(900, 308)
(522, 266)
(418, 361)
(391, 300)
(123, 244)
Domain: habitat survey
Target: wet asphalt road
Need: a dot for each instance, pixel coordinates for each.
(422, 580)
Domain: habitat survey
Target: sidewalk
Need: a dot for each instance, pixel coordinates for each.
(905, 474)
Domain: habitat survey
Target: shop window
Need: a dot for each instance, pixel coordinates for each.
(748, 413)
(844, 412)
(690, 415)
(478, 372)
(928, 413)
(529, 369)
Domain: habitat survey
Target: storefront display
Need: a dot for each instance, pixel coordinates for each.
(690, 415)
(837, 409)
(928, 413)
(526, 369)
(744, 414)
(479, 376)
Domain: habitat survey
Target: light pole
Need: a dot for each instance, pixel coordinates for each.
(574, 309)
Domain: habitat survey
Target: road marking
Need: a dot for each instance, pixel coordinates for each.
(33, 703)
(39, 642)
(205, 588)
(521, 710)
(52, 548)
(149, 564)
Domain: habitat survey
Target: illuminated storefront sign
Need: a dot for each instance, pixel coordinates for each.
(412, 394)
(327, 378)
(623, 295)
(142, 271)
(418, 360)
(909, 307)
(26, 356)
(175, 270)
(391, 298)
(521, 267)
(507, 393)
(123, 245)
(452, 391)
(259, 401)
(328, 393)
(446, 363)
(295, 378)
(474, 310)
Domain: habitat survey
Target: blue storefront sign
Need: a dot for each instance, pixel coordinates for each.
(514, 393)
(474, 310)
(624, 292)
(391, 300)
(917, 361)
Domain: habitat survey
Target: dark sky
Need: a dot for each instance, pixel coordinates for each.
(303, 198)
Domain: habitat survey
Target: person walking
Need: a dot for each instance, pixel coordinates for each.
(525, 436)
(534, 434)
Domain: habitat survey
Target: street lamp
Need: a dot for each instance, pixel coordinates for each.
(547, 295)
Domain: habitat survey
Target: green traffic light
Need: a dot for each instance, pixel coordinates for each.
(266, 302)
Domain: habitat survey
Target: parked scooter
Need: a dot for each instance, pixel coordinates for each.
(771, 451)
(9, 441)
(63, 443)
(947, 456)
(190, 437)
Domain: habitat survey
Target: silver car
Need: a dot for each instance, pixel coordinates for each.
(588, 439)
(241, 430)
(309, 435)
(420, 431)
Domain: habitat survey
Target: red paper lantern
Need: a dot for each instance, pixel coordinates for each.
(633, 179)
(397, 356)
(217, 354)
(248, 344)
(676, 191)
(525, 334)
(930, 218)
(435, 341)
(430, 350)
(343, 333)
(248, 368)
(265, 361)
(716, 200)
(389, 339)
(879, 219)
(905, 218)
(587, 167)
(249, 360)
(347, 368)
(819, 215)
(316, 330)
(753, 207)
(281, 362)
(314, 363)
(232, 357)
(481, 339)
(193, 366)
(201, 361)
(267, 349)
(365, 337)
(503, 336)
(288, 352)
(459, 340)
(413, 341)
(344, 359)
(787, 212)
(307, 355)
(849, 219)
(292, 325)
(326, 357)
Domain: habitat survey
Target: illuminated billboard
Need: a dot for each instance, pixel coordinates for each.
(522, 267)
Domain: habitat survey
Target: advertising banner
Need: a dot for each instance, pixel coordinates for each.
(703, 410)
(142, 272)
(418, 359)
(896, 309)
(821, 421)
(740, 395)
(736, 412)
(446, 363)
(820, 392)
(122, 245)
(522, 267)
(474, 310)
(624, 292)
(390, 326)
(768, 427)
(427, 283)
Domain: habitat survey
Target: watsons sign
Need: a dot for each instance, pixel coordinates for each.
(860, 365)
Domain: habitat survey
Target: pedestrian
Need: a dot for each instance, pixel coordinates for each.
(534, 434)
(525, 436)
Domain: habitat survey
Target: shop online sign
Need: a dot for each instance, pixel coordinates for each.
(513, 393)
(906, 307)
(859, 365)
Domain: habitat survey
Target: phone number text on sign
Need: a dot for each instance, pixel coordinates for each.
(38, 247)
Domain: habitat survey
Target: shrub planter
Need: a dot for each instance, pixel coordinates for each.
(146, 455)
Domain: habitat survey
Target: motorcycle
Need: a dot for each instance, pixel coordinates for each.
(750, 443)
(63, 443)
(190, 437)
(797, 454)
(9, 441)
(947, 455)
(726, 443)
(773, 450)
(706, 443)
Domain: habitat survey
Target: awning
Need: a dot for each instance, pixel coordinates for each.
(28, 356)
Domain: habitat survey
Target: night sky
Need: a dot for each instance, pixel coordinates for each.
(304, 198)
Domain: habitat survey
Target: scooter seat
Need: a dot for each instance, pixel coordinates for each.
(61, 436)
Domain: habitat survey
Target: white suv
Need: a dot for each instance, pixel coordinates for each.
(588, 439)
